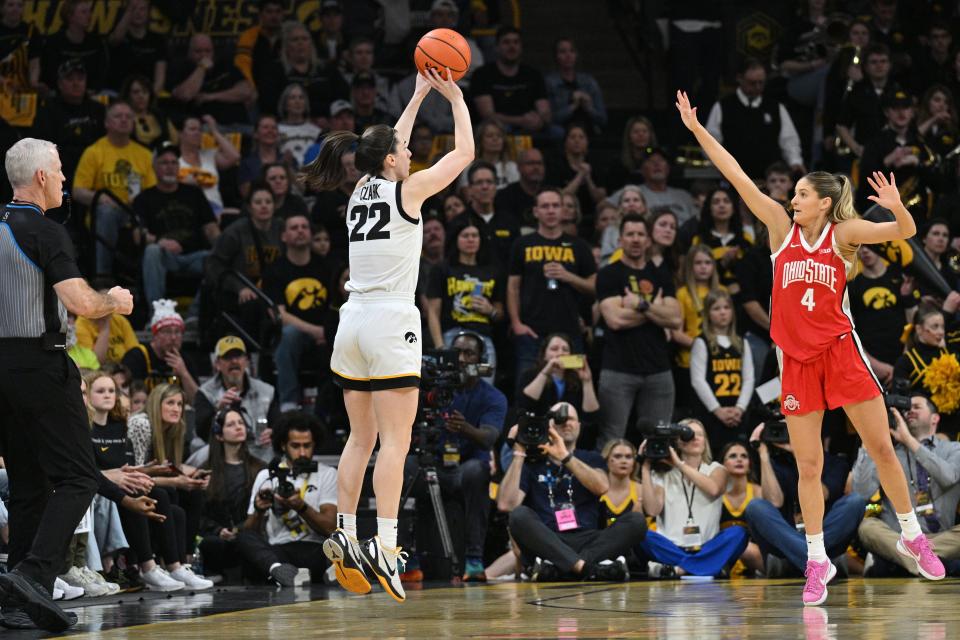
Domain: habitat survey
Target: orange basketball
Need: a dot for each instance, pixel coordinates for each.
(442, 48)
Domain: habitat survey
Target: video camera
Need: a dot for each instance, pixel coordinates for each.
(281, 473)
(898, 398)
(663, 436)
(534, 430)
(774, 426)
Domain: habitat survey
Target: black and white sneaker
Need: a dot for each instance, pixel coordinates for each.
(383, 564)
(344, 554)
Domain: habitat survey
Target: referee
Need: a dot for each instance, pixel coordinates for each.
(44, 432)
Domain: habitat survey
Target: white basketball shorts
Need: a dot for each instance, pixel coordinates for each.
(377, 345)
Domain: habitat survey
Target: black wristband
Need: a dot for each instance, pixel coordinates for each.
(569, 457)
(304, 508)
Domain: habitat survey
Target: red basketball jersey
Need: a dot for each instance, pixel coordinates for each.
(809, 308)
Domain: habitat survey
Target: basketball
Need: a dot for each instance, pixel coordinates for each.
(443, 48)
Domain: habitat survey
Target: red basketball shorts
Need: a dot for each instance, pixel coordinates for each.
(839, 376)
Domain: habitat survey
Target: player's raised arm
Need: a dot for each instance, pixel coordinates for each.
(424, 184)
(767, 209)
(859, 231)
(404, 126)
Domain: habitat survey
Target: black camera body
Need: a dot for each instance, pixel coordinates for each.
(774, 426)
(534, 431)
(661, 437)
(282, 474)
(898, 398)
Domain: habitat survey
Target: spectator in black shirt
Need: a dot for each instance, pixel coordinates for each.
(178, 223)
(297, 282)
(573, 171)
(551, 274)
(135, 50)
(232, 472)
(258, 48)
(934, 64)
(637, 302)
(498, 228)
(286, 203)
(363, 94)
(70, 119)
(879, 310)
(330, 208)
(756, 286)
(512, 92)
(75, 41)
(552, 380)
(201, 86)
(159, 361)
(517, 198)
(861, 114)
(151, 126)
(898, 147)
(20, 45)
(465, 292)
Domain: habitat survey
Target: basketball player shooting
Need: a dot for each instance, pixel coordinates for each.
(822, 364)
(377, 350)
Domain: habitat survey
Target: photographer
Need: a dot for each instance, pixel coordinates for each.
(296, 498)
(685, 494)
(775, 520)
(476, 416)
(554, 507)
(932, 466)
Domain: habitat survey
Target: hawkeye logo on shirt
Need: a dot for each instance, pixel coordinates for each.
(879, 298)
(305, 294)
(549, 253)
(462, 291)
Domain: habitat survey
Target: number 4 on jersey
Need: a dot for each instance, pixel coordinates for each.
(807, 299)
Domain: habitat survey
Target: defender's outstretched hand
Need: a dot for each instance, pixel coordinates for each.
(687, 113)
(447, 88)
(888, 196)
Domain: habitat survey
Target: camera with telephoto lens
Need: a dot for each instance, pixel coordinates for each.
(898, 398)
(774, 426)
(534, 431)
(663, 436)
(281, 473)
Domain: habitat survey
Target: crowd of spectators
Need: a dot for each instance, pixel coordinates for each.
(607, 289)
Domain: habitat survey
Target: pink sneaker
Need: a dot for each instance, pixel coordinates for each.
(818, 575)
(928, 564)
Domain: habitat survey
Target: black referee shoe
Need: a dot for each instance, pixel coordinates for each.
(20, 591)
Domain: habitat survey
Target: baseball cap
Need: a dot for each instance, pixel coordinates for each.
(330, 6)
(652, 151)
(72, 65)
(364, 79)
(228, 344)
(338, 106)
(166, 147)
(898, 100)
(448, 5)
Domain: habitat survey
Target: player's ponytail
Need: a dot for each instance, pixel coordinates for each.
(837, 187)
(327, 172)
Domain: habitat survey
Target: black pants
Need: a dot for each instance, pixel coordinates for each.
(566, 547)
(144, 535)
(219, 554)
(48, 455)
(261, 555)
(469, 482)
(169, 537)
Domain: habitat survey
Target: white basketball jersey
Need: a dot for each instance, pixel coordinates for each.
(385, 242)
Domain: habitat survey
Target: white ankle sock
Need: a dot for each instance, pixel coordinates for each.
(348, 522)
(909, 525)
(815, 548)
(387, 530)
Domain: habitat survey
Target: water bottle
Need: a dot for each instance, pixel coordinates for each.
(552, 284)
(133, 184)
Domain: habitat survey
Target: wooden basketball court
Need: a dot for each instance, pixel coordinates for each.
(876, 608)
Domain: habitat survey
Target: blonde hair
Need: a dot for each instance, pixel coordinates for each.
(118, 412)
(620, 442)
(167, 442)
(710, 332)
(690, 281)
(837, 187)
(707, 456)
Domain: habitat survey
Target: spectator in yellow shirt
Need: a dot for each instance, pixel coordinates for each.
(109, 337)
(120, 165)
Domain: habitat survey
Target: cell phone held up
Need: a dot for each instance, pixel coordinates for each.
(572, 361)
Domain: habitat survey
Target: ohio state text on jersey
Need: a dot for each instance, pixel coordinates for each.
(809, 308)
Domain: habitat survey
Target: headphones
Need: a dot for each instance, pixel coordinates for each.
(478, 339)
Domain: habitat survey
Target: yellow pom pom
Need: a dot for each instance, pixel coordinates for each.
(942, 379)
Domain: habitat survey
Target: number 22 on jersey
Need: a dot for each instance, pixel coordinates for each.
(379, 211)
